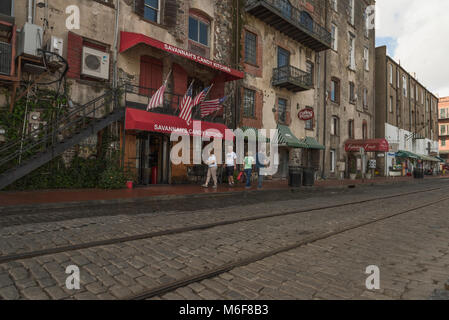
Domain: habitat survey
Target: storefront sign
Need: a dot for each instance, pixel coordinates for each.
(306, 114)
(375, 145)
(131, 39)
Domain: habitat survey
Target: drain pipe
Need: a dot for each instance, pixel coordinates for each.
(115, 49)
(30, 11)
(323, 171)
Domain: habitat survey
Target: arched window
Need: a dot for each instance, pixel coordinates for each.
(365, 130)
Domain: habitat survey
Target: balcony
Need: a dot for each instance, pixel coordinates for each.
(292, 79)
(294, 23)
(137, 97)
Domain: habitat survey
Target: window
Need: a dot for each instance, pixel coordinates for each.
(351, 129)
(412, 93)
(332, 161)
(443, 130)
(397, 79)
(334, 126)
(249, 103)
(309, 123)
(198, 31)
(334, 5)
(427, 106)
(390, 104)
(443, 142)
(282, 110)
(366, 58)
(351, 51)
(7, 7)
(404, 85)
(351, 11)
(366, 18)
(310, 69)
(365, 98)
(251, 48)
(443, 113)
(334, 34)
(351, 92)
(335, 90)
(390, 70)
(283, 57)
(364, 130)
(151, 10)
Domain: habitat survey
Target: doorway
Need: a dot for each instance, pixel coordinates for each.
(153, 155)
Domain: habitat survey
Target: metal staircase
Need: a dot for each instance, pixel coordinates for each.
(21, 157)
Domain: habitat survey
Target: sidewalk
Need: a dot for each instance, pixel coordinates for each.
(164, 192)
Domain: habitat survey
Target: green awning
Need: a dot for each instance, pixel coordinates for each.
(407, 154)
(287, 138)
(313, 144)
(428, 158)
(440, 159)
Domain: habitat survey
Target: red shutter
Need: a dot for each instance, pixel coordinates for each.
(180, 84)
(150, 75)
(74, 55)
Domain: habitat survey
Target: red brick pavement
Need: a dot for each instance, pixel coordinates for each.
(66, 196)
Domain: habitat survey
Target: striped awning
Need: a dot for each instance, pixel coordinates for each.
(407, 154)
(285, 137)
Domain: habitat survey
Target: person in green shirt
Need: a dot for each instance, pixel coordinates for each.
(248, 166)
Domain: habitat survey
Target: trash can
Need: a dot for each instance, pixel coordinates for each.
(295, 177)
(418, 173)
(308, 177)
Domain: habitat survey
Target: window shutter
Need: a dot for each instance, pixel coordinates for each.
(139, 7)
(170, 13)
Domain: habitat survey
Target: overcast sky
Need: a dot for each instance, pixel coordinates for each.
(417, 34)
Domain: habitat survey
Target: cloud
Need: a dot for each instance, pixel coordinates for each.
(420, 29)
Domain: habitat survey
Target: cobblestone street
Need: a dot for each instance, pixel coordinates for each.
(291, 245)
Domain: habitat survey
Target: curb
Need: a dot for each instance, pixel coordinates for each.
(87, 203)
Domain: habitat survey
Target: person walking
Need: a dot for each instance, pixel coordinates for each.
(261, 162)
(248, 166)
(212, 171)
(231, 163)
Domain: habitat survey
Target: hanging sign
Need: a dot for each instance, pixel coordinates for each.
(306, 114)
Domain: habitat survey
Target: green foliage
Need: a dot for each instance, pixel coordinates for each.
(112, 178)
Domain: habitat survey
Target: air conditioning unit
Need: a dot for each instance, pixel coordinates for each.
(95, 63)
(56, 45)
(30, 40)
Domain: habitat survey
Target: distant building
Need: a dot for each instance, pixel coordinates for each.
(406, 116)
(443, 123)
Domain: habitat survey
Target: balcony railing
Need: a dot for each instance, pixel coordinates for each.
(138, 97)
(291, 21)
(292, 79)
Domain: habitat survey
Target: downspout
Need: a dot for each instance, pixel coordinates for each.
(324, 98)
(115, 49)
(237, 62)
(30, 11)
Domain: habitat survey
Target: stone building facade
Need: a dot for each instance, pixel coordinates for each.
(347, 97)
(143, 43)
(443, 123)
(406, 112)
(280, 47)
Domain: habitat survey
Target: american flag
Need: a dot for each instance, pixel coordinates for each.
(158, 98)
(201, 96)
(209, 107)
(187, 105)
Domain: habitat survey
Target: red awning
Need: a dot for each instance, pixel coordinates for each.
(374, 145)
(155, 122)
(131, 39)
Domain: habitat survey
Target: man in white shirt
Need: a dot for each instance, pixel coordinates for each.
(212, 171)
(231, 162)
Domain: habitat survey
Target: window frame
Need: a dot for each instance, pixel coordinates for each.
(334, 35)
(352, 58)
(245, 101)
(158, 10)
(284, 113)
(255, 47)
(335, 85)
(200, 21)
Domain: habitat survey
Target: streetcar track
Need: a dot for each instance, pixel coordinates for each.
(170, 287)
(92, 244)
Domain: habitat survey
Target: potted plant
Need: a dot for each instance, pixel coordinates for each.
(352, 169)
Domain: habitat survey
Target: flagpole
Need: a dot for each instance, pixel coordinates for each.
(191, 84)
